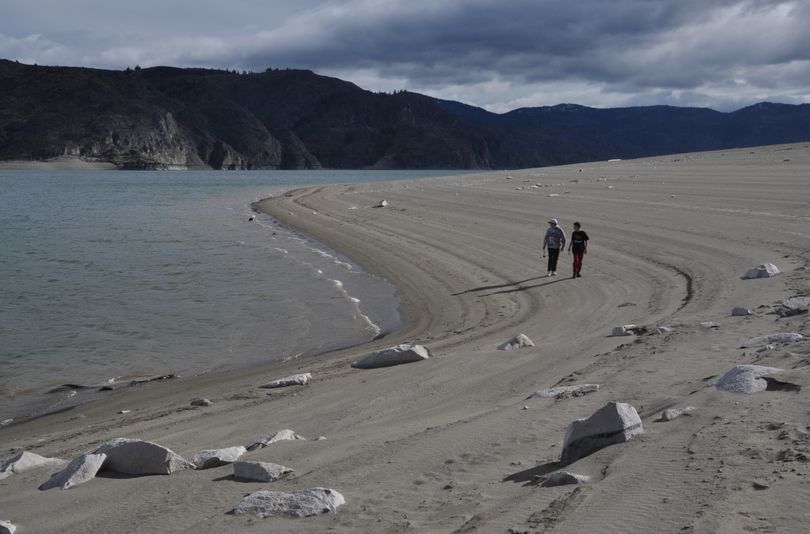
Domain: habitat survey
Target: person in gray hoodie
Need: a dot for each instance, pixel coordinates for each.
(554, 241)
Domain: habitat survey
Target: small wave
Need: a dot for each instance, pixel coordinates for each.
(357, 312)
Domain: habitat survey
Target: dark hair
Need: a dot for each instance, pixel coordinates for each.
(577, 224)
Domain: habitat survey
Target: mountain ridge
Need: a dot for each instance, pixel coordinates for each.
(177, 118)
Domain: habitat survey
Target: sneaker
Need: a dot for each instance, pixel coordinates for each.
(553, 273)
(579, 275)
(549, 274)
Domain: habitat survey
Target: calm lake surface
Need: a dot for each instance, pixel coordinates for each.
(114, 276)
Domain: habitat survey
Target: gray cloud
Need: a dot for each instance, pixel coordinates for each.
(498, 54)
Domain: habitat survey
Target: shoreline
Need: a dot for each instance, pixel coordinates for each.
(453, 444)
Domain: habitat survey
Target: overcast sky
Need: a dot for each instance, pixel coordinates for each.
(497, 54)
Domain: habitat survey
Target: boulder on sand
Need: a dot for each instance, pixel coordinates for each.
(295, 504)
(616, 422)
(137, 457)
(739, 311)
(292, 380)
(517, 342)
(780, 337)
(260, 471)
(24, 461)
(209, 458)
(562, 478)
(672, 413)
(78, 471)
(628, 330)
(404, 353)
(563, 392)
(281, 435)
(7, 527)
(745, 378)
(766, 270)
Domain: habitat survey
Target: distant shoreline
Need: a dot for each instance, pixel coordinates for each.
(57, 164)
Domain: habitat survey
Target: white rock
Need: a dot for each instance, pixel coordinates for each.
(24, 461)
(381, 204)
(562, 478)
(208, 458)
(745, 379)
(616, 422)
(766, 270)
(741, 312)
(517, 342)
(404, 353)
(292, 380)
(625, 330)
(797, 303)
(201, 402)
(565, 391)
(709, 324)
(672, 413)
(663, 330)
(78, 471)
(137, 457)
(281, 435)
(7, 527)
(780, 337)
(300, 503)
(260, 471)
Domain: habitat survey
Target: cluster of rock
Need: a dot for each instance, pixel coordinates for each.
(138, 457)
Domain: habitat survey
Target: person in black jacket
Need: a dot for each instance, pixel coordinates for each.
(579, 247)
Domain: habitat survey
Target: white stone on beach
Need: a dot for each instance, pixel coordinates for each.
(780, 337)
(208, 458)
(295, 504)
(797, 303)
(381, 204)
(766, 270)
(741, 312)
(138, 457)
(201, 402)
(663, 330)
(260, 471)
(281, 435)
(24, 461)
(565, 391)
(517, 342)
(745, 379)
(616, 422)
(562, 478)
(7, 527)
(672, 413)
(404, 353)
(78, 471)
(625, 330)
(292, 380)
(709, 324)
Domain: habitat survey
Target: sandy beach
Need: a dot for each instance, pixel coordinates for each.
(452, 444)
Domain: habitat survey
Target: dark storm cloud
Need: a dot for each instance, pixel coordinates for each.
(495, 53)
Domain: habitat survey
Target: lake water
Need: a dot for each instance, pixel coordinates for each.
(114, 276)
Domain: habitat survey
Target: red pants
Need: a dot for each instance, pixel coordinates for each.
(578, 261)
